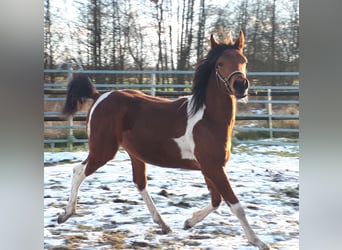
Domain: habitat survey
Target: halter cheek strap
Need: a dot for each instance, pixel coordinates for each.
(227, 79)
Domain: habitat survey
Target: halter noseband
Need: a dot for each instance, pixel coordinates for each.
(227, 79)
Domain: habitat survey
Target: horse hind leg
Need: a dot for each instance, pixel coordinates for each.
(140, 180)
(96, 159)
(77, 178)
(204, 212)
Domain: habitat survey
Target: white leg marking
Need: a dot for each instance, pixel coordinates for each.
(199, 216)
(186, 142)
(238, 210)
(153, 211)
(77, 179)
(100, 99)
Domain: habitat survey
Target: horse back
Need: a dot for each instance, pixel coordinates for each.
(138, 111)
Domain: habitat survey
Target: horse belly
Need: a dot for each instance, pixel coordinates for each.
(163, 153)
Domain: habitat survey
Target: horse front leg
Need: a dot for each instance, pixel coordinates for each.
(219, 178)
(238, 210)
(204, 212)
(140, 180)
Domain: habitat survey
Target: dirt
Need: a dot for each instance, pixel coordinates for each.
(111, 214)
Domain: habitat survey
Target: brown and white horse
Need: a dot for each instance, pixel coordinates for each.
(192, 132)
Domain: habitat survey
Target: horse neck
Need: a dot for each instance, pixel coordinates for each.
(220, 105)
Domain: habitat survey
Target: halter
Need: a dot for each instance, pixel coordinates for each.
(227, 79)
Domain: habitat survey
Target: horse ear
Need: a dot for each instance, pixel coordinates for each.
(213, 42)
(240, 42)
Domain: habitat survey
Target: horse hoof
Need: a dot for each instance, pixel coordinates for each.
(166, 229)
(264, 247)
(62, 218)
(261, 245)
(187, 225)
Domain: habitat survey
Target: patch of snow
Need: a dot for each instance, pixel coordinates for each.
(109, 203)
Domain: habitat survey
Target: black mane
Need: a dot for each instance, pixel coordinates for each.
(202, 74)
(79, 89)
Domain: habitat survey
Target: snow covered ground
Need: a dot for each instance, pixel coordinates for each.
(112, 215)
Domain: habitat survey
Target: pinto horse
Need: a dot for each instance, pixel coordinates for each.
(193, 132)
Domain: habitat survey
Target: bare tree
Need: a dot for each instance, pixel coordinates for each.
(48, 51)
(135, 41)
(163, 15)
(95, 33)
(166, 34)
(201, 30)
(185, 38)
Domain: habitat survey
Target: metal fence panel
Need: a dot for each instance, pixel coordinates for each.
(268, 93)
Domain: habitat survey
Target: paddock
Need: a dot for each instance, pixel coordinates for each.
(206, 91)
(111, 214)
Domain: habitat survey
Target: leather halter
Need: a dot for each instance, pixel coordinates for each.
(227, 79)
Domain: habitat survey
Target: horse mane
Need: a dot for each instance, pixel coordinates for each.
(202, 74)
(80, 88)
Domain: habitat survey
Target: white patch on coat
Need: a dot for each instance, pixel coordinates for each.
(186, 142)
(100, 99)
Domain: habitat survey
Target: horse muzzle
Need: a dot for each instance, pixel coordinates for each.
(240, 86)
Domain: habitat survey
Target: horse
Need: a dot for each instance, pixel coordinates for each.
(192, 132)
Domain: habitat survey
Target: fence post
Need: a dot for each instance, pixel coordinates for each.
(270, 113)
(153, 84)
(70, 133)
(70, 120)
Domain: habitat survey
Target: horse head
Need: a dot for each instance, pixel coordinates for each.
(231, 66)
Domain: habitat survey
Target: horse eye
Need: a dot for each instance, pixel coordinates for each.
(220, 64)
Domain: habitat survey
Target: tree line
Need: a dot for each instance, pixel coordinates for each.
(166, 34)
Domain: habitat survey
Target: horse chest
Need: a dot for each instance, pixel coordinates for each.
(186, 142)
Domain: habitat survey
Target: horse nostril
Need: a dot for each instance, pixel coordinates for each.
(241, 84)
(246, 83)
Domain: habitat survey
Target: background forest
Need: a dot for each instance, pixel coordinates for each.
(167, 34)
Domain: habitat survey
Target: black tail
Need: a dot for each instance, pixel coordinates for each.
(79, 89)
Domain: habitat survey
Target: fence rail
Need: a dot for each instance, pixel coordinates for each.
(266, 96)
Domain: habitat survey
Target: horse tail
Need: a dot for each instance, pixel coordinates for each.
(80, 89)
